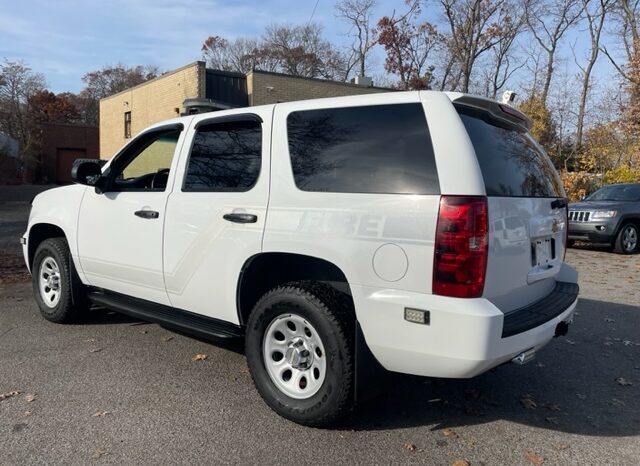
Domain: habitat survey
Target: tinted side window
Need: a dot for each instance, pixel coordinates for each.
(371, 149)
(225, 157)
(512, 163)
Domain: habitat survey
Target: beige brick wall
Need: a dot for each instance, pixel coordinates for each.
(268, 88)
(149, 103)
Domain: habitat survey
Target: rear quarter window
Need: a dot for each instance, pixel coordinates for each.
(512, 163)
(369, 149)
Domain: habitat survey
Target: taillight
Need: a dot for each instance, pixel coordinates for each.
(460, 262)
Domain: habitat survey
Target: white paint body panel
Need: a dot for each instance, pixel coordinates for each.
(59, 207)
(203, 253)
(384, 244)
(120, 251)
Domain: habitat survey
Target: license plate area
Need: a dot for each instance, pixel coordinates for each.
(543, 252)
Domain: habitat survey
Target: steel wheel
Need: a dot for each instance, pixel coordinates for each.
(294, 356)
(629, 238)
(50, 282)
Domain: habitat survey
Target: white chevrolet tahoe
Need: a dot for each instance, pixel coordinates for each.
(335, 235)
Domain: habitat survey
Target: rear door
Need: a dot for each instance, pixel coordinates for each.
(527, 213)
(216, 213)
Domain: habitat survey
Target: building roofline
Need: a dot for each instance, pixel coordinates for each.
(234, 74)
(285, 75)
(163, 75)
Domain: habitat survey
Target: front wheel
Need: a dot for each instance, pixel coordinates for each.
(299, 347)
(51, 276)
(627, 239)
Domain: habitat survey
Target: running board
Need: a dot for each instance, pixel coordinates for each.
(178, 319)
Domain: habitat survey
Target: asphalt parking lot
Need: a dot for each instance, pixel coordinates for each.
(112, 390)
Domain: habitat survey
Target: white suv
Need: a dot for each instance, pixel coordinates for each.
(331, 234)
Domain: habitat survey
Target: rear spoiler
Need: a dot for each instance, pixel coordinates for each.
(497, 110)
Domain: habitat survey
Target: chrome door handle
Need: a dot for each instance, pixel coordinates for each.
(147, 213)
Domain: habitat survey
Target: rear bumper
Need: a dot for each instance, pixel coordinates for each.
(464, 337)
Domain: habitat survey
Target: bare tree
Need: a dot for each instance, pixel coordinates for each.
(595, 14)
(627, 15)
(474, 27)
(502, 66)
(408, 44)
(357, 13)
(548, 21)
(302, 51)
(18, 85)
(240, 55)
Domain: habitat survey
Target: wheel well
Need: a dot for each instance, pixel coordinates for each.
(39, 233)
(265, 271)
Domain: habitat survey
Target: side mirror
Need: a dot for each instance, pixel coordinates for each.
(87, 171)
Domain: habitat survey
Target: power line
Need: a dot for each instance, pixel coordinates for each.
(313, 12)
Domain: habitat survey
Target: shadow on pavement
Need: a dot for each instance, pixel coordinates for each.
(586, 383)
(577, 384)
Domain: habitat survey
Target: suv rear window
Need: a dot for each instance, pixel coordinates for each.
(370, 149)
(512, 163)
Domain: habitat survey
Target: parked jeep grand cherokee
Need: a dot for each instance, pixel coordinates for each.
(334, 235)
(611, 215)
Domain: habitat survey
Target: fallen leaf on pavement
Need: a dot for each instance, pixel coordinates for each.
(528, 402)
(4, 396)
(552, 420)
(27, 413)
(562, 446)
(609, 320)
(552, 407)
(617, 402)
(409, 446)
(29, 397)
(581, 396)
(200, 357)
(571, 342)
(95, 350)
(100, 452)
(624, 382)
(460, 463)
(90, 340)
(535, 459)
(167, 339)
(101, 413)
(449, 433)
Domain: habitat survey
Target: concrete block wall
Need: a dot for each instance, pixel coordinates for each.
(150, 102)
(270, 88)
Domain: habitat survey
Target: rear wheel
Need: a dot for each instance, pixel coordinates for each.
(299, 347)
(627, 239)
(51, 276)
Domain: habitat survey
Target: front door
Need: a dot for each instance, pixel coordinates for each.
(120, 230)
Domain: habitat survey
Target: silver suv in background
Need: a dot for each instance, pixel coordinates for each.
(610, 215)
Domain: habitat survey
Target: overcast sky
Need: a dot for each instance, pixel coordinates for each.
(63, 39)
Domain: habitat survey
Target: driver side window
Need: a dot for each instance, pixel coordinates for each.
(146, 163)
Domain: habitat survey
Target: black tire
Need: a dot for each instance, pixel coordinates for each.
(64, 311)
(622, 243)
(330, 312)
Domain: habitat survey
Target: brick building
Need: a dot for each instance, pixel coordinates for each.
(61, 145)
(195, 88)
